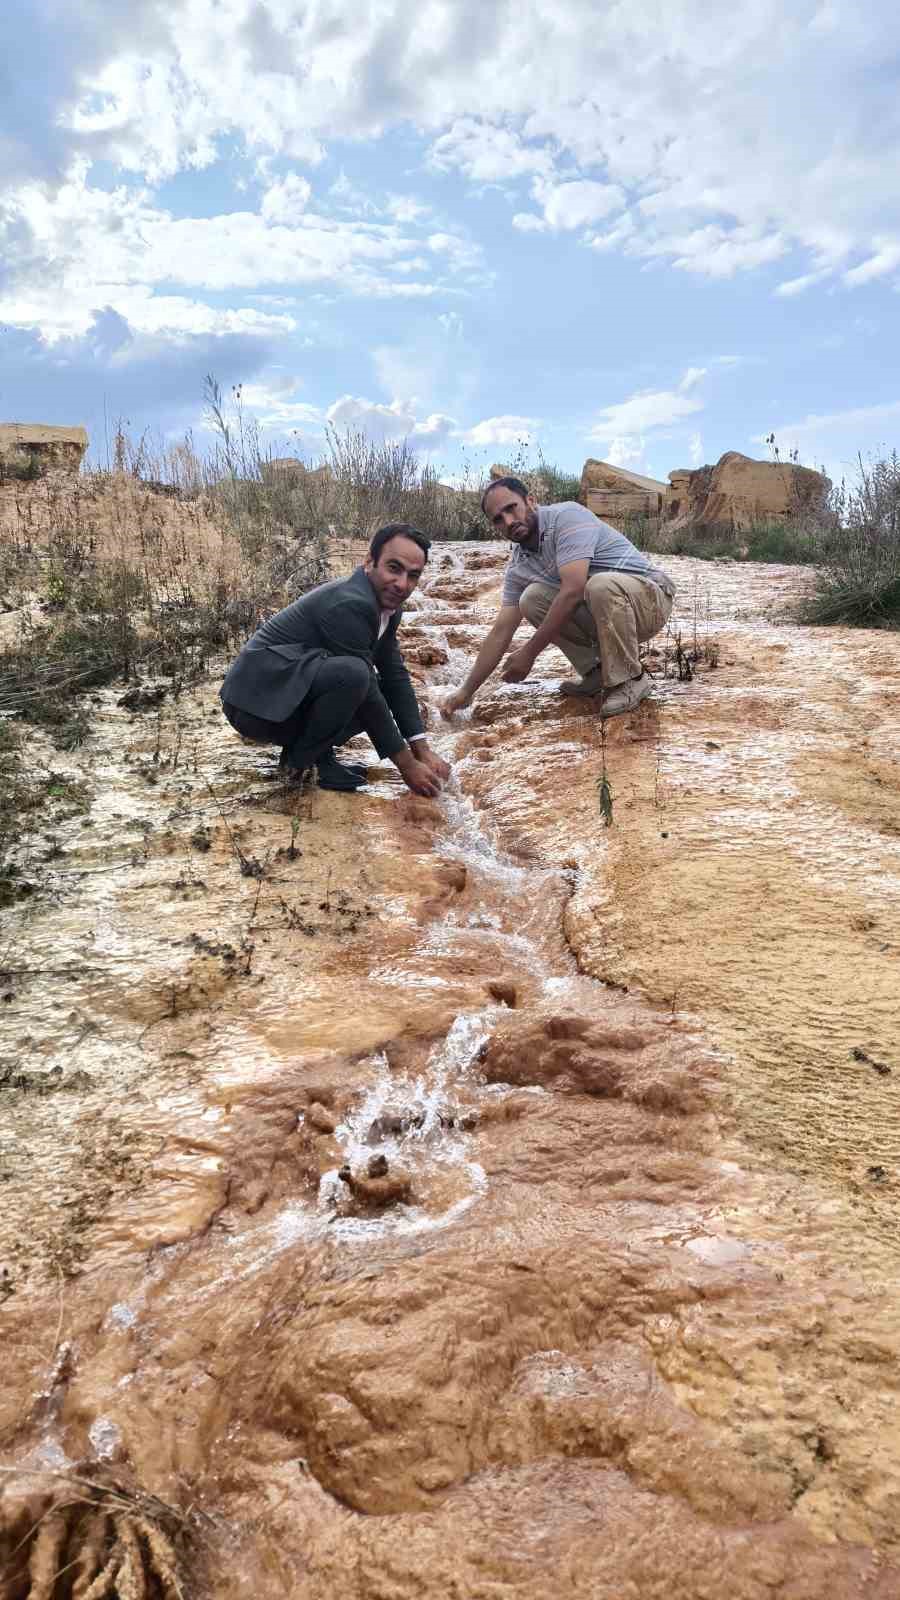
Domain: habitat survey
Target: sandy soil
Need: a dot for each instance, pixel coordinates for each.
(622, 1317)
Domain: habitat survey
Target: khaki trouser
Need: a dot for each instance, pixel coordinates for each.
(619, 611)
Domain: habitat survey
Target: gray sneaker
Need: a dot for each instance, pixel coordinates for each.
(591, 683)
(625, 696)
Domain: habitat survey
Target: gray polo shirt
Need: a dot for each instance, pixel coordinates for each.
(569, 532)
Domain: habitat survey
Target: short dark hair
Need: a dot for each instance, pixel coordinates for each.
(515, 484)
(406, 531)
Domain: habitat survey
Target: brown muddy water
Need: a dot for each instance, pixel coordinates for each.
(605, 1303)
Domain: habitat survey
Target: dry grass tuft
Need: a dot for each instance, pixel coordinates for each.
(67, 1537)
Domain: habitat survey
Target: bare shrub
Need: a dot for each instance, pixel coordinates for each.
(548, 483)
(858, 581)
(375, 483)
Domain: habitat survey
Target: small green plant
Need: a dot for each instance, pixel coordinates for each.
(19, 471)
(57, 588)
(14, 797)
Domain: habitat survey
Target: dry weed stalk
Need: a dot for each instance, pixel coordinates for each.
(604, 788)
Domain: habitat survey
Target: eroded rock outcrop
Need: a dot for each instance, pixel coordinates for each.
(32, 449)
(738, 492)
(613, 493)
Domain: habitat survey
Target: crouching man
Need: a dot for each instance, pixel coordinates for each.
(583, 586)
(329, 666)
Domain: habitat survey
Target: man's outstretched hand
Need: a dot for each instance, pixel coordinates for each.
(424, 753)
(517, 665)
(425, 776)
(457, 701)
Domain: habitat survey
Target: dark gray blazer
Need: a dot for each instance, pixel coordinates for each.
(273, 673)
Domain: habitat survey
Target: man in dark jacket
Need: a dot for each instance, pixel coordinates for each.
(329, 666)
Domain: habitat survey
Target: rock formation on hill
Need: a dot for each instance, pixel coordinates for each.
(31, 449)
(290, 468)
(738, 491)
(613, 493)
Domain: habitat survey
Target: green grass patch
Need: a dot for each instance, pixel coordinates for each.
(17, 797)
(781, 543)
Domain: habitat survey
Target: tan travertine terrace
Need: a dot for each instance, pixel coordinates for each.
(635, 1331)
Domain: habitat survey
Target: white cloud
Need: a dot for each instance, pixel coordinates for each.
(793, 286)
(348, 196)
(691, 378)
(886, 259)
(452, 324)
(695, 448)
(168, 316)
(625, 451)
(433, 430)
(395, 421)
(90, 247)
(404, 208)
(652, 408)
(486, 153)
(502, 430)
(621, 236)
(645, 129)
(577, 204)
(855, 419)
(286, 198)
(271, 398)
(731, 150)
(714, 251)
(461, 253)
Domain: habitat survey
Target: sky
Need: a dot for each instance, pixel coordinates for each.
(647, 232)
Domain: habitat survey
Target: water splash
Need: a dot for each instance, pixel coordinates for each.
(419, 1125)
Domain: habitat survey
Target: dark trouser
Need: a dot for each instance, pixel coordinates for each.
(343, 699)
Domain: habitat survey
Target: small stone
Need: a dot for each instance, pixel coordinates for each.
(375, 1193)
(504, 991)
(454, 875)
(392, 1123)
(320, 1118)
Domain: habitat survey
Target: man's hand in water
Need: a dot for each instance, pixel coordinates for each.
(417, 775)
(424, 753)
(457, 701)
(517, 665)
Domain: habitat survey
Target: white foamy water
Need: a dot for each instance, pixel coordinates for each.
(415, 1123)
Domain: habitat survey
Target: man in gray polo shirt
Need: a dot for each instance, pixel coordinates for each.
(585, 588)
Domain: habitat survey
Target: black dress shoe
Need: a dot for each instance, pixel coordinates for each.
(350, 766)
(334, 775)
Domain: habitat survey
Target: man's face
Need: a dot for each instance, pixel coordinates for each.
(395, 574)
(511, 516)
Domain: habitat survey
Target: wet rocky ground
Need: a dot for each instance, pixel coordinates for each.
(466, 1197)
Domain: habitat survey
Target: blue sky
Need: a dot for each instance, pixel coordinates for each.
(631, 230)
